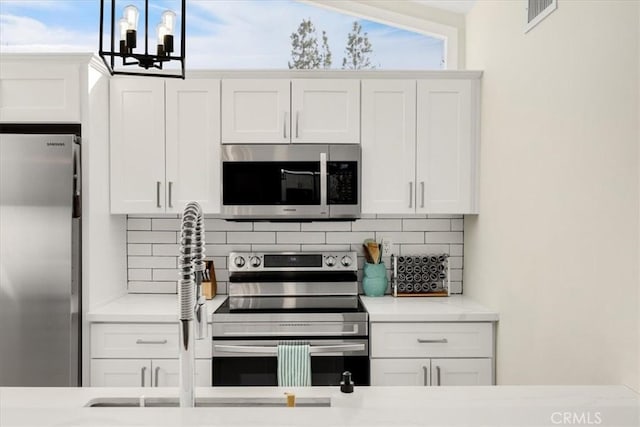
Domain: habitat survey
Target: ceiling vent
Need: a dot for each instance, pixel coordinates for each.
(537, 10)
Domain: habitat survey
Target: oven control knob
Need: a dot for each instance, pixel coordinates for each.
(254, 261)
(346, 260)
(238, 261)
(330, 261)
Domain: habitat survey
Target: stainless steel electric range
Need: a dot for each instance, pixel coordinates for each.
(301, 296)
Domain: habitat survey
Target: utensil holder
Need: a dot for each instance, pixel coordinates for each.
(374, 280)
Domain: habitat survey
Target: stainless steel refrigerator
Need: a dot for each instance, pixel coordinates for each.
(39, 259)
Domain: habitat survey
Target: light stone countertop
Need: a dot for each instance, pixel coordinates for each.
(368, 406)
(164, 308)
(145, 308)
(455, 308)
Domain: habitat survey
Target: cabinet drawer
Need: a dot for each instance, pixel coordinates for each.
(431, 340)
(135, 340)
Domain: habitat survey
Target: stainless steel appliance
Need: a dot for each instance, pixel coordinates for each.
(39, 257)
(289, 181)
(276, 297)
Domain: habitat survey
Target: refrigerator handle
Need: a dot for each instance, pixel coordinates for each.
(77, 180)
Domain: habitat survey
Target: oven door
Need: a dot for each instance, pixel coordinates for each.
(254, 362)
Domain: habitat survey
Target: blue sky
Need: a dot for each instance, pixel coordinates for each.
(221, 34)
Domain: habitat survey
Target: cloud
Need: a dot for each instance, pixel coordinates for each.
(220, 34)
(21, 33)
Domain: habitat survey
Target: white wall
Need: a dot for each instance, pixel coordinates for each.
(555, 247)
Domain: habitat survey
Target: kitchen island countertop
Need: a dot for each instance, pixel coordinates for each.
(367, 406)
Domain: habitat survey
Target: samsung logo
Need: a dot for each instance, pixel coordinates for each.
(55, 144)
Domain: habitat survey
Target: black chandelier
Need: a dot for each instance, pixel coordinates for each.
(127, 47)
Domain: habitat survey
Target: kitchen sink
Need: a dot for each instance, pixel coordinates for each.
(206, 402)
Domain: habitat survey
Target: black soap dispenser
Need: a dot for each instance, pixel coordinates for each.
(346, 385)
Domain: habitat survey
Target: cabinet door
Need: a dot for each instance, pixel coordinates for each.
(256, 111)
(120, 373)
(461, 372)
(193, 144)
(325, 111)
(400, 372)
(39, 92)
(446, 152)
(166, 373)
(137, 146)
(388, 146)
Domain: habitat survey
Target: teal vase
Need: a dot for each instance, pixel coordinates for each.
(374, 280)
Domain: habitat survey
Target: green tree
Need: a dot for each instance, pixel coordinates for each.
(304, 47)
(358, 50)
(326, 52)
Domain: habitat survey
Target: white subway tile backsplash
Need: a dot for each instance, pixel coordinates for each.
(215, 237)
(426, 224)
(300, 237)
(152, 262)
(443, 237)
(400, 237)
(455, 287)
(326, 226)
(276, 226)
(337, 248)
(423, 249)
(136, 287)
(351, 238)
(139, 274)
(223, 250)
(457, 250)
(141, 224)
(251, 237)
(165, 224)
(153, 243)
(276, 248)
(377, 225)
(139, 249)
(165, 274)
(151, 237)
(166, 249)
(213, 224)
(455, 262)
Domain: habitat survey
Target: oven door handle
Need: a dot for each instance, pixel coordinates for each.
(316, 349)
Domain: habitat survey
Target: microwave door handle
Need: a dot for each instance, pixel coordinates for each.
(323, 180)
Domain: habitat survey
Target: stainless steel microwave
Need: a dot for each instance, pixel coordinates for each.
(290, 181)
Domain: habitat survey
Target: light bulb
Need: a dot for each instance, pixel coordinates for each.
(169, 20)
(124, 26)
(161, 31)
(131, 14)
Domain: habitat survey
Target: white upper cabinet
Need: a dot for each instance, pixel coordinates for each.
(256, 111)
(446, 147)
(193, 144)
(39, 91)
(162, 158)
(419, 146)
(137, 146)
(388, 146)
(281, 111)
(325, 111)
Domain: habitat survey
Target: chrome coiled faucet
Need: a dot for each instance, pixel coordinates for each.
(191, 267)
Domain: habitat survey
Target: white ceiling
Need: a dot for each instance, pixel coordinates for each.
(458, 6)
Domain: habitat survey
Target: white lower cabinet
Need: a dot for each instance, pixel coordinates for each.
(432, 354)
(144, 373)
(435, 372)
(142, 355)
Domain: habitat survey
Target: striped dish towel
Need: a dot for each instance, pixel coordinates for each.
(294, 364)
